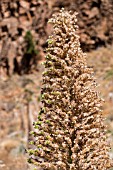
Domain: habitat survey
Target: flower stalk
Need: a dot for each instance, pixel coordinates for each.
(69, 134)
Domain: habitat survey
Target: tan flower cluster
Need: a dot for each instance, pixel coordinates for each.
(69, 133)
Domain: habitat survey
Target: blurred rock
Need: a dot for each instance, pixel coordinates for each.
(95, 20)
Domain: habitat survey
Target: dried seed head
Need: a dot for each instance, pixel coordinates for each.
(70, 131)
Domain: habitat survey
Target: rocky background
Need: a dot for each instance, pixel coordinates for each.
(20, 89)
(95, 20)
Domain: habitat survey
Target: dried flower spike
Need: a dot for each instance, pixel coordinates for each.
(69, 134)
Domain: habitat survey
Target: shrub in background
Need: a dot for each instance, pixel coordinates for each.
(69, 133)
(29, 59)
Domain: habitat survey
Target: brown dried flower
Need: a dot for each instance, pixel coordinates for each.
(69, 133)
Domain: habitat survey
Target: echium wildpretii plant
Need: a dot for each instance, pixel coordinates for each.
(69, 133)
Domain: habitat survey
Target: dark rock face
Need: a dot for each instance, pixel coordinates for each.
(95, 21)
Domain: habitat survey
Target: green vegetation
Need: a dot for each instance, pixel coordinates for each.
(30, 44)
(30, 58)
(109, 74)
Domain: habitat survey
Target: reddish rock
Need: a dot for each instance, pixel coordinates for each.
(95, 20)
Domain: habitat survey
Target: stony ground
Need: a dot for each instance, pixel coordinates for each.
(20, 102)
(102, 62)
